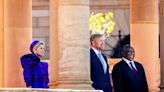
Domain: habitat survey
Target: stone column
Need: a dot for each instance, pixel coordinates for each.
(161, 30)
(72, 33)
(1, 43)
(54, 53)
(145, 38)
(17, 38)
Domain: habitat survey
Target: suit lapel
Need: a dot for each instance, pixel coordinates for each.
(129, 70)
(139, 70)
(98, 60)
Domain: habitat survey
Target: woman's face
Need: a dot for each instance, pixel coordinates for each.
(40, 50)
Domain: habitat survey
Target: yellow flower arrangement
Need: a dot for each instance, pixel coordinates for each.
(102, 23)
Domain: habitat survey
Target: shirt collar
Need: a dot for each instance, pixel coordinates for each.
(127, 61)
(96, 51)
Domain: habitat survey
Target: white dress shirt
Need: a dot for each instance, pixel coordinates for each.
(128, 62)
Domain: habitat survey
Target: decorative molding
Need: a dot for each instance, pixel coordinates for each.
(74, 2)
(105, 4)
(40, 3)
(145, 22)
(45, 90)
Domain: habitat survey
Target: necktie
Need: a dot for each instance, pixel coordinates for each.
(133, 69)
(103, 62)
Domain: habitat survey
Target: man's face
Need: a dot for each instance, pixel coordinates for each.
(98, 43)
(129, 53)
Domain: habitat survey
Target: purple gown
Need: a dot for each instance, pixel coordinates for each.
(35, 72)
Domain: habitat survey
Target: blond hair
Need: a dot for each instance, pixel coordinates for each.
(38, 44)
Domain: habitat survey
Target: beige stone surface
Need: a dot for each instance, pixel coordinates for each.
(145, 43)
(14, 49)
(161, 29)
(17, 38)
(41, 32)
(74, 65)
(73, 44)
(145, 39)
(43, 21)
(74, 2)
(143, 11)
(121, 4)
(44, 90)
(120, 8)
(43, 4)
(34, 22)
(1, 44)
(54, 56)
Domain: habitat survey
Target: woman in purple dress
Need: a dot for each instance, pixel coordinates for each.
(35, 72)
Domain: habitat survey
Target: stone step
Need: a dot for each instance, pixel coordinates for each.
(43, 90)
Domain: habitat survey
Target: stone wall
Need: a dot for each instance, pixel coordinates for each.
(43, 90)
(121, 11)
(41, 31)
(40, 24)
(120, 8)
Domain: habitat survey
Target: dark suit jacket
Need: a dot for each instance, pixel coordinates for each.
(100, 80)
(125, 80)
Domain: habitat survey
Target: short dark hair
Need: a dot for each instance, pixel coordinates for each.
(125, 47)
(94, 36)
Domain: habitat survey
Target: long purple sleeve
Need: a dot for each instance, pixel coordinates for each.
(35, 72)
(28, 61)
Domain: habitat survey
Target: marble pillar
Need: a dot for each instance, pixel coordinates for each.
(17, 38)
(54, 55)
(161, 30)
(71, 35)
(145, 38)
(1, 43)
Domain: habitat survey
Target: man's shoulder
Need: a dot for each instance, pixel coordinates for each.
(119, 64)
(137, 63)
(91, 50)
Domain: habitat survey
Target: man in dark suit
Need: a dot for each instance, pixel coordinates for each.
(99, 65)
(129, 75)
